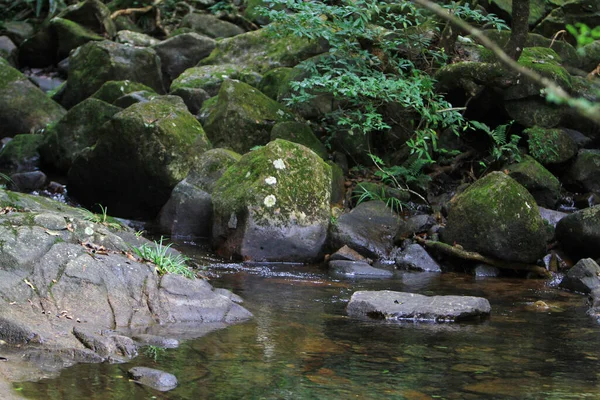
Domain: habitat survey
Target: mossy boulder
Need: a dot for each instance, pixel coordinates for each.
(140, 96)
(243, 117)
(74, 132)
(590, 57)
(188, 213)
(95, 63)
(140, 155)
(18, 31)
(210, 77)
(92, 15)
(261, 51)
(182, 52)
(23, 106)
(211, 26)
(21, 153)
(584, 173)
(299, 132)
(537, 9)
(273, 205)
(534, 111)
(71, 35)
(579, 233)
(110, 91)
(570, 12)
(550, 146)
(543, 186)
(497, 217)
(135, 39)
(193, 98)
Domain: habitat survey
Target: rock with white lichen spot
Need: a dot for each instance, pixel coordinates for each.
(273, 205)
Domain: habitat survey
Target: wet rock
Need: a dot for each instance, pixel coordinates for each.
(551, 216)
(211, 26)
(485, 271)
(154, 378)
(141, 154)
(27, 181)
(579, 233)
(585, 171)
(106, 346)
(153, 340)
(543, 186)
(357, 269)
(95, 63)
(415, 224)
(232, 124)
(584, 277)
(273, 205)
(77, 130)
(348, 254)
(22, 153)
(369, 229)
(188, 212)
(416, 257)
(24, 107)
(399, 306)
(497, 217)
(182, 52)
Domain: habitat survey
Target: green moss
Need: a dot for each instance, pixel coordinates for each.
(301, 186)
(547, 63)
(550, 146)
(299, 132)
(208, 77)
(20, 148)
(71, 35)
(110, 91)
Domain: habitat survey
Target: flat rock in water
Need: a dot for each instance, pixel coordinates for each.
(154, 378)
(386, 304)
(357, 268)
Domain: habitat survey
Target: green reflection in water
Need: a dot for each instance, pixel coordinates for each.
(302, 346)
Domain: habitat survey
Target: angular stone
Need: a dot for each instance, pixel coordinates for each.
(583, 277)
(417, 258)
(579, 233)
(357, 269)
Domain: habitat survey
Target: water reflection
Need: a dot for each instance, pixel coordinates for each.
(301, 345)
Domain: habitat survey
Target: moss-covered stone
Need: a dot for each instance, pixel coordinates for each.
(584, 173)
(140, 155)
(18, 31)
(276, 82)
(112, 90)
(136, 39)
(571, 12)
(211, 26)
(497, 217)
(23, 106)
(95, 63)
(299, 132)
(579, 233)
(243, 117)
(210, 77)
(254, 11)
(93, 15)
(543, 186)
(260, 51)
(273, 205)
(71, 35)
(590, 56)
(77, 130)
(21, 153)
(182, 52)
(550, 146)
(129, 99)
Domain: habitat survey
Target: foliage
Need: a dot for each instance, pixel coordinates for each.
(504, 148)
(542, 143)
(165, 261)
(583, 33)
(21, 9)
(225, 6)
(379, 55)
(365, 194)
(103, 218)
(410, 173)
(154, 352)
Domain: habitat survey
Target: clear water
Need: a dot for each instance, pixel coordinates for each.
(301, 345)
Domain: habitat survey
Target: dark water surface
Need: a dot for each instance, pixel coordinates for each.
(301, 345)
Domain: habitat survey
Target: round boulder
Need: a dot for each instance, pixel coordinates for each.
(273, 205)
(579, 233)
(499, 218)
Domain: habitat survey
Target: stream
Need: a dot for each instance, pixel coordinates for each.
(301, 344)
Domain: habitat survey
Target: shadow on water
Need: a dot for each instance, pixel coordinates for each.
(301, 345)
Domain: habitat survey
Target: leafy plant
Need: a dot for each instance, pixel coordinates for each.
(410, 173)
(224, 6)
(504, 148)
(165, 261)
(154, 352)
(365, 194)
(103, 218)
(583, 33)
(542, 144)
(464, 11)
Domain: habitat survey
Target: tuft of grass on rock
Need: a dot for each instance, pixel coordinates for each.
(165, 262)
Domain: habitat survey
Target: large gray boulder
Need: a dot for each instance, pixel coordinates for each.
(399, 306)
(211, 26)
(583, 277)
(273, 205)
(579, 233)
(182, 52)
(64, 280)
(95, 63)
(188, 212)
(23, 106)
(140, 155)
(369, 229)
(499, 218)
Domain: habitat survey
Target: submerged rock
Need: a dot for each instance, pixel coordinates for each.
(273, 205)
(497, 217)
(156, 379)
(398, 306)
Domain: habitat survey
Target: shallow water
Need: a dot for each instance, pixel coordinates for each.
(301, 345)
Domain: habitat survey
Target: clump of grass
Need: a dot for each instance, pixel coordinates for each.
(103, 218)
(154, 352)
(165, 262)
